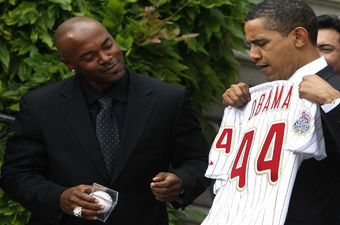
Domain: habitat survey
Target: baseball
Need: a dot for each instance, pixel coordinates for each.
(104, 199)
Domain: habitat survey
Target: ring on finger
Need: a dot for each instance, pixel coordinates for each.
(77, 211)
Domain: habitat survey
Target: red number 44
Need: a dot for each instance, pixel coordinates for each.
(273, 142)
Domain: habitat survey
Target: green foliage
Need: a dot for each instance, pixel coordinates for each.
(178, 217)
(12, 212)
(185, 42)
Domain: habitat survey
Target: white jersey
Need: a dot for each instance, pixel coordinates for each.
(257, 153)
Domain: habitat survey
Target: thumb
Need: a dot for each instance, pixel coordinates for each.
(159, 177)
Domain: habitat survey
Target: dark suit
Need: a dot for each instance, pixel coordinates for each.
(315, 197)
(55, 147)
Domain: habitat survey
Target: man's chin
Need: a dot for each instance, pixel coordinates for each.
(114, 77)
(270, 77)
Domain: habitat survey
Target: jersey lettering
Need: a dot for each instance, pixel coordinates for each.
(252, 110)
(271, 149)
(240, 167)
(277, 98)
(266, 106)
(287, 100)
(260, 104)
(223, 143)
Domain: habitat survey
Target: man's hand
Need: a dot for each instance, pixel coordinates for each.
(79, 196)
(237, 95)
(317, 90)
(166, 186)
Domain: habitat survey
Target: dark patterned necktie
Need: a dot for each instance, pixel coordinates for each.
(107, 132)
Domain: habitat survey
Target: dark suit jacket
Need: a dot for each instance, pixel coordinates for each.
(315, 197)
(55, 147)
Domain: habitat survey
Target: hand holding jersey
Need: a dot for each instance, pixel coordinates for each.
(237, 95)
(326, 94)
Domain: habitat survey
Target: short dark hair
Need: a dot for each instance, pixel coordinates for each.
(285, 15)
(327, 21)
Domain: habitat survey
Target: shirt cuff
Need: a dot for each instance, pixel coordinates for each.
(180, 201)
(328, 107)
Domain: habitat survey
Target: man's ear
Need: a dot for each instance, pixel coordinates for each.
(67, 63)
(300, 36)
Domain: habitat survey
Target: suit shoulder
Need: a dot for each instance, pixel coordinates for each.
(329, 75)
(334, 80)
(47, 92)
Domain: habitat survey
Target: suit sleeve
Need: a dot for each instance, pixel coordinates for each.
(332, 118)
(25, 174)
(190, 150)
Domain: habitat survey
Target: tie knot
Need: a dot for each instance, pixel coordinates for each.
(105, 102)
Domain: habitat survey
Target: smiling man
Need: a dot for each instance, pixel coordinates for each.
(109, 125)
(99, 61)
(328, 41)
(282, 36)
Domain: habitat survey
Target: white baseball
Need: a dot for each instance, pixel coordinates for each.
(104, 199)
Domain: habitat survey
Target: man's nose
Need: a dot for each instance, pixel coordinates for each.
(104, 58)
(254, 54)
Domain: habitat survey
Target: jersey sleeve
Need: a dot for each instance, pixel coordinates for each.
(227, 137)
(304, 130)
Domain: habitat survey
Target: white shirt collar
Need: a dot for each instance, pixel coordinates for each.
(309, 69)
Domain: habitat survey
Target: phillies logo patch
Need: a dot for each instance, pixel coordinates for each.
(302, 125)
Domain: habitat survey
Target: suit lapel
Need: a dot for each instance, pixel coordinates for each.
(77, 115)
(139, 108)
(326, 72)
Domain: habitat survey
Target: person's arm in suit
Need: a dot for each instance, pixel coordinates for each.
(189, 154)
(319, 91)
(26, 174)
(25, 169)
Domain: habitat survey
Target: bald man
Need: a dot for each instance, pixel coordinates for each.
(60, 147)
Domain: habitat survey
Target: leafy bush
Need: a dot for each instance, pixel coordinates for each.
(185, 42)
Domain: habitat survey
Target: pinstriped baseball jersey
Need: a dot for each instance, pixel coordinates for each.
(257, 152)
